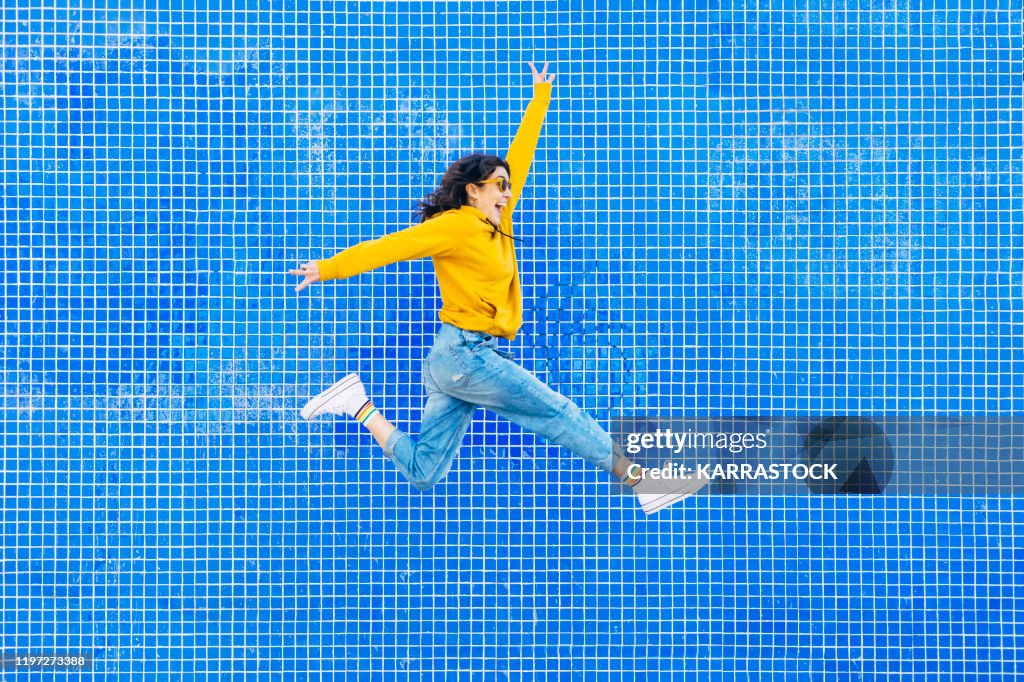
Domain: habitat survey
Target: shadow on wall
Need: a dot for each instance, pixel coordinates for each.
(581, 351)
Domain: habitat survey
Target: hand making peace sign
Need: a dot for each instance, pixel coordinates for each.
(541, 77)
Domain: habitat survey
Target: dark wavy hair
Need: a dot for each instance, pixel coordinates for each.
(452, 192)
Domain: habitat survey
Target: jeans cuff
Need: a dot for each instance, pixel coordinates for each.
(609, 463)
(392, 441)
(613, 457)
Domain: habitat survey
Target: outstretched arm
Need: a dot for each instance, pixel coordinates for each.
(430, 238)
(520, 153)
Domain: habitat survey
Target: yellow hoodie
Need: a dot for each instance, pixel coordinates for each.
(476, 267)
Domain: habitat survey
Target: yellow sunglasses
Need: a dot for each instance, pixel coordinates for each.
(504, 184)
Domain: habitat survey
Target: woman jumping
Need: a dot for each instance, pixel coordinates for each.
(466, 228)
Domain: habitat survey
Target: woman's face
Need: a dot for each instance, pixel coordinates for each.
(488, 198)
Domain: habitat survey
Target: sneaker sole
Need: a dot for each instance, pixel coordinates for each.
(668, 499)
(313, 406)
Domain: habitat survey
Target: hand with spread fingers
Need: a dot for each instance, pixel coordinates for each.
(310, 271)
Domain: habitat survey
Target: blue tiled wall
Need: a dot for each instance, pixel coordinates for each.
(738, 208)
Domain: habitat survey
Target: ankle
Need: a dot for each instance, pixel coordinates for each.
(375, 421)
(380, 428)
(633, 475)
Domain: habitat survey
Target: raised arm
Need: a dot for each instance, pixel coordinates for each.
(521, 151)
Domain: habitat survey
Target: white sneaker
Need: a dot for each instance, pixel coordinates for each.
(345, 397)
(668, 492)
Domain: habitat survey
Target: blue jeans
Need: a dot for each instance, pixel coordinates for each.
(465, 370)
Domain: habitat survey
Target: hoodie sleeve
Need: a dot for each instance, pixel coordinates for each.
(436, 236)
(521, 151)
